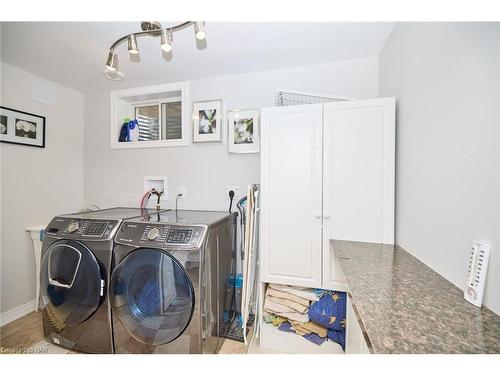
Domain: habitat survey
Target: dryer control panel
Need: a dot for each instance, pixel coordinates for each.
(84, 229)
(161, 235)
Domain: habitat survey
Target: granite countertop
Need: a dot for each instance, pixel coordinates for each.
(403, 306)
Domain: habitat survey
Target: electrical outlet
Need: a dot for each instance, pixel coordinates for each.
(182, 192)
(236, 190)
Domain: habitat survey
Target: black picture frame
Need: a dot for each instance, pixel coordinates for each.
(43, 119)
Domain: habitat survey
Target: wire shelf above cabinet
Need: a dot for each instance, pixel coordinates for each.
(289, 97)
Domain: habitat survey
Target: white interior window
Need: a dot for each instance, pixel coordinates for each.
(160, 111)
(159, 120)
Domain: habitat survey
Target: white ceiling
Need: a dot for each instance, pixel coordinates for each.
(73, 54)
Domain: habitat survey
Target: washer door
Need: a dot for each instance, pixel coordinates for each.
(70, 280)
(152, 295)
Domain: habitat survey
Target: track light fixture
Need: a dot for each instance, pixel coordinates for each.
(112, 62)
(132, 45)
(149, 28)
(199, 30)
(167, 37)
(113, 75)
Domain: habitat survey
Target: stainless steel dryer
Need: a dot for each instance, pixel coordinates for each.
(75, 269)
(168, 289)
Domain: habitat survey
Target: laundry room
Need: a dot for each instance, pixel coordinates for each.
(240, 186)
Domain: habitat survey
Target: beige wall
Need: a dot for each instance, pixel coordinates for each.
(445, 77)
(36, 184)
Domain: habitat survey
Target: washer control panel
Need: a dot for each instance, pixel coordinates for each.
(179, 236)
(153, 234)
(161, 235)
(68, 227)
(95, 228)
(73, 227)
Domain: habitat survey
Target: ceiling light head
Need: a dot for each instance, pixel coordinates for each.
(113, 75)
(112, 62)
(132, 45)
(199, 30)
(167, 37)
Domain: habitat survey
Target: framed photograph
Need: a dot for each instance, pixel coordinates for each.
(21, 128)
(207, 121)
(243, 126)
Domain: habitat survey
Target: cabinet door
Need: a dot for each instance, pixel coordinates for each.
(358, 192)
(291, 184)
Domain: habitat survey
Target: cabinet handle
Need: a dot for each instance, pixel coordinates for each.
(317, 215)
(326, 216)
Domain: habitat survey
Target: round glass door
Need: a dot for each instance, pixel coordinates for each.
(70, 279)
(152, 295)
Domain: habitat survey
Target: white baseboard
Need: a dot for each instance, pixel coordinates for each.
(17, 312)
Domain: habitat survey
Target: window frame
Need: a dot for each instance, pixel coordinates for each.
(156, 94)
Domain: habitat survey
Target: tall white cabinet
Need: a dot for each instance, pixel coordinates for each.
(327, 172)
(291, 188)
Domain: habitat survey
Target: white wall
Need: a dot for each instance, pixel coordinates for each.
(115, 177)
(446, 81)
(36, 184)
(78, 130)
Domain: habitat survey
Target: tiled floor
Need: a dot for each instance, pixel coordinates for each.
(25, 335)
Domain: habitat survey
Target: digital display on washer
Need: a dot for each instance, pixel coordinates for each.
(95, 229)
(179, 236)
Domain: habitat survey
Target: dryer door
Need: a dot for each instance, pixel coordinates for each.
(152, 295)
(70, 280)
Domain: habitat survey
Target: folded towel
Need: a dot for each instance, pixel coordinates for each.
(274, 319)
(292, 297)
(277, 308)
(306, 293)
(312, 337)
(298, 330)
(278, 320)
(286, 302)
(294, 316)
(285, 327)
(309, 327)
(268, 318)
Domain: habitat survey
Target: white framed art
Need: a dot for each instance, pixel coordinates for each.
(207, 121)
(243, 131)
